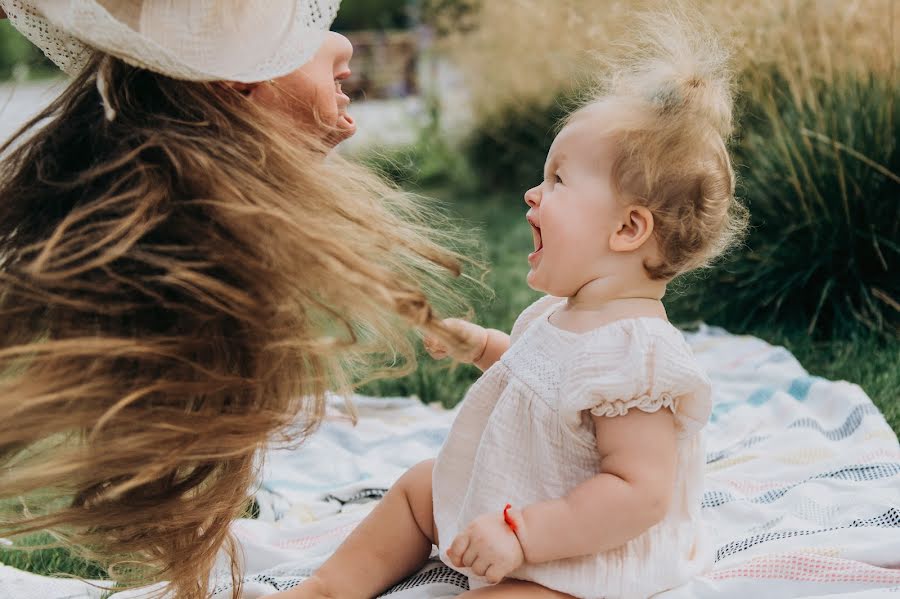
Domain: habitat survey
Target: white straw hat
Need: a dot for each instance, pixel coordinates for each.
(200, 40)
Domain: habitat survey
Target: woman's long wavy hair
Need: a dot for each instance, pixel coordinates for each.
(179, 286)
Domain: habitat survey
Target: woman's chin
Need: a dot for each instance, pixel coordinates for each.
(344, 128)
(346, 125)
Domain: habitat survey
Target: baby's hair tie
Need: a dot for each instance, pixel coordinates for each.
(513, 526)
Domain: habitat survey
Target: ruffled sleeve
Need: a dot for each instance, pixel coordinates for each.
(530, 314)
(642, 364)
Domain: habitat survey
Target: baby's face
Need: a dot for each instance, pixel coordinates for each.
(573, 211)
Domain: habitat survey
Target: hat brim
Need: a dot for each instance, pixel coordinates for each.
(268, 42)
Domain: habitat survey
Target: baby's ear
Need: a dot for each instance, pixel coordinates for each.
(633, 231)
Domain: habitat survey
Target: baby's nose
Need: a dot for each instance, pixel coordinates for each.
(533, 196)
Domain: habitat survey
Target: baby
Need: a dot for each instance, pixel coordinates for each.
(575, 465)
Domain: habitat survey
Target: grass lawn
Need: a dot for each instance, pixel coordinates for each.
(48, 561)
(864, 360)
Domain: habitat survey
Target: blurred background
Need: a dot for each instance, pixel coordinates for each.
(458, 99)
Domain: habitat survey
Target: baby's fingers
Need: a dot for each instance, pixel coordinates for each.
(435, 348)
(458, 549)
(470, 556)
(480, 565)
(494, 574)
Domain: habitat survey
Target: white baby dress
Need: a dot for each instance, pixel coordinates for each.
(524, 435)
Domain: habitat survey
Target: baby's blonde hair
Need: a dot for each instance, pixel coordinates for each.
(672, 100)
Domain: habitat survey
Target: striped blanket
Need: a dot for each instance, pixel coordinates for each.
(802, 497)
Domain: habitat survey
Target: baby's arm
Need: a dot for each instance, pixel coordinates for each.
(496, 344)
(482, 347)
(631, 494)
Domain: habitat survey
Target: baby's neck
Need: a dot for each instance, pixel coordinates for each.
(613, 298)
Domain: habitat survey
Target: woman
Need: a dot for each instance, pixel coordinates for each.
(182, 270)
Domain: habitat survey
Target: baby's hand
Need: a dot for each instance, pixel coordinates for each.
(488, 547)
(474, 336)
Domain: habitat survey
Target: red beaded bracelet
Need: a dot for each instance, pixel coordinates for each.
(509, 519)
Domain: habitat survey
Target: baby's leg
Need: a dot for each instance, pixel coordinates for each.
(390, 544)
(515, 589)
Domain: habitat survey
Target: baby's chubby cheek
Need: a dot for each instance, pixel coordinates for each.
(533, 280)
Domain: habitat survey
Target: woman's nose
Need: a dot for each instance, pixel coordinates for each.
(533, 196)
(343, 49)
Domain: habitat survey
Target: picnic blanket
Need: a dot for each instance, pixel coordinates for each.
(802, 493)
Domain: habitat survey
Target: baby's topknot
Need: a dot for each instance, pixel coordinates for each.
(676, 64)
(668, 100)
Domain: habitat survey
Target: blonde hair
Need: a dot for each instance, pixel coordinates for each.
(671, 97)
(178, 285)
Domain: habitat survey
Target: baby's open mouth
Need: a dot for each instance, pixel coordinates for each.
(536, 235)
(535, 256)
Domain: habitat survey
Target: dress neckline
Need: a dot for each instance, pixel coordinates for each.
(613, 323)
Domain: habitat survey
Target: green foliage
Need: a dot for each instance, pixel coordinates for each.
(41, 554)
(820, 176)
(372, 14)
(508, 151)
(430, 162)
(427, 163)
(21, 58)
(449, 16)
(819, 173)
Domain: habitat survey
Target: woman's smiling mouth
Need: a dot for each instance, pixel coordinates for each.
(343, 101)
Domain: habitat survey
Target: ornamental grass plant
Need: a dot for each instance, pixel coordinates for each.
(815, 150)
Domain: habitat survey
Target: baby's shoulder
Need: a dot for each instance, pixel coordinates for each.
(643, 363)
(530, 314)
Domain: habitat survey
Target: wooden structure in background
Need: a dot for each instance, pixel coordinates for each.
(385, 64)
